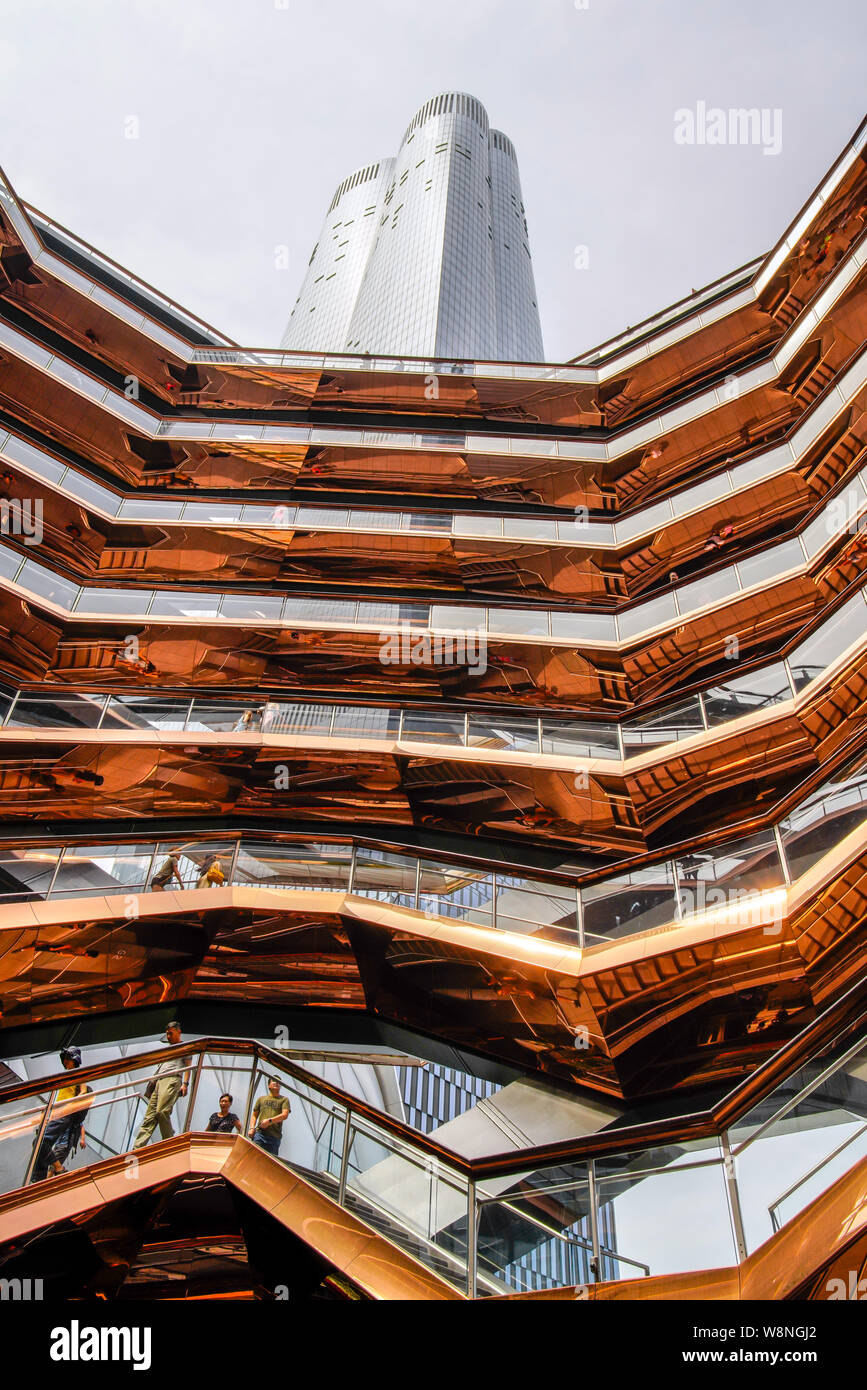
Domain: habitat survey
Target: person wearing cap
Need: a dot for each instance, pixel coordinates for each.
(170, 1080)
(65, 1132)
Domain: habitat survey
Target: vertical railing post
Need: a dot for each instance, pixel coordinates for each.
(472, 1238)
(350, 887)
(50, 889)
(15, 699)
(344, 1158)
(734, 1198)
(150, 868)
(596, 1259)
(37, 1143)
(233, 867)
(248, 1108)
(191, 1099)
(781, 850)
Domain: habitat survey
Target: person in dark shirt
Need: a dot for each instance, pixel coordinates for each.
(224, 1120)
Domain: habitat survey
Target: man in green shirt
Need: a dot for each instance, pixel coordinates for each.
(269, 1112)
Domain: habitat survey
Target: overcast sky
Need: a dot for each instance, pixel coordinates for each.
(250, 112)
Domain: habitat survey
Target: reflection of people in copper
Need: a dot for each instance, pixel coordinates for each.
(77, 777)
(716, 539)
(308, 639)
(137, 663)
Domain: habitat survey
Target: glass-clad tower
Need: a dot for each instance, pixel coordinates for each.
(428, 253)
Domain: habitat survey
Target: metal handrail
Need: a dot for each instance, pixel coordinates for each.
(583, 1242)
(817, 1168)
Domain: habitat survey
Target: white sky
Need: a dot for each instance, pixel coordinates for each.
(252, 111)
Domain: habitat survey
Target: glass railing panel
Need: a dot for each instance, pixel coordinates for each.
(823, 1073)
(311, 610)
(189, 605)
(251, 607)
(216, 717)
(648, 519)
(47, 585)
(676, 721)
(839, 516)
(27, 873)
(394, 614)
(146, 712)
(628, 903)
(516, 734)
(836, 808)
(647, 615)
(529, 528)
(60, 711)
(123, 601)
(813, 656)
(322, 517)
(452, 617)
(767, 564)
(480, 525)
(10, 563)
(19, 1126)
(744, 694)
(105, 1113)
(850, 1147)
(583, 627)
(143, 509)
(727, 873)
(365, 721)
(806, 1138)
(87, 491)
(584, 739)
(527, 622)
(298, 719)
(700, 495)
(389, 877)
(585, 532)
(311, 1137)
(314, 867)
(447, 890)
(33, 459)
(683, 1182)
(106, 868)
(413, 1200)
(375, 521)
(536, 1234)
(198, 864)
(534, 907)
(430, 724)
(711, 588)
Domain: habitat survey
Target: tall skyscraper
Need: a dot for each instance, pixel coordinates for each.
(428, 253)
